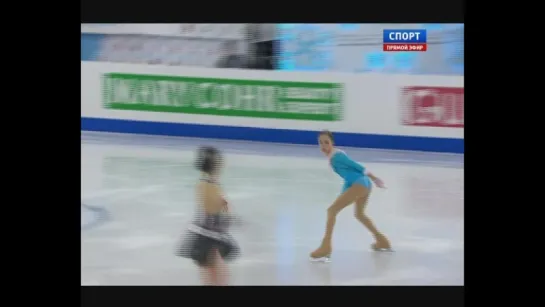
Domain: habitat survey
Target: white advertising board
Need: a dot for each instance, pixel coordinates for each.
(371, 103)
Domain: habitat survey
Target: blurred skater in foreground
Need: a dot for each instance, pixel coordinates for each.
(208, 242)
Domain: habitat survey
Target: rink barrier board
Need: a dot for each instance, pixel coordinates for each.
(288, 136)
(370, 103)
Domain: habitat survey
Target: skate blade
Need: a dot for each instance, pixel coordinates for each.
(383, 250)
(326, 259)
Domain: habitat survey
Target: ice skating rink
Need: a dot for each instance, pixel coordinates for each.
(138, 197)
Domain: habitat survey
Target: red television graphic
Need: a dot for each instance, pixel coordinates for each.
(432, 106)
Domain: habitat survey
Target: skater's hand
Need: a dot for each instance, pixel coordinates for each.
(225, 206)
(379, 183)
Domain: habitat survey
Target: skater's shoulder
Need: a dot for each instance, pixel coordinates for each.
(335, 153)
(209, 179)
(208, 187)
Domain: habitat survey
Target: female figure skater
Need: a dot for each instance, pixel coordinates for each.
(356, 189)
(209, 244)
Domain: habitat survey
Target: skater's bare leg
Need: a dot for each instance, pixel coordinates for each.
(348, 197)
(359, 212)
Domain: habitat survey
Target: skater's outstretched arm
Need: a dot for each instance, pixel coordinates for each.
(377, 181)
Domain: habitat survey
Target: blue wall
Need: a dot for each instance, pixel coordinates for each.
(90, 46)
(394, 142)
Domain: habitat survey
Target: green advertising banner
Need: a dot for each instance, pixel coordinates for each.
(317, 101)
